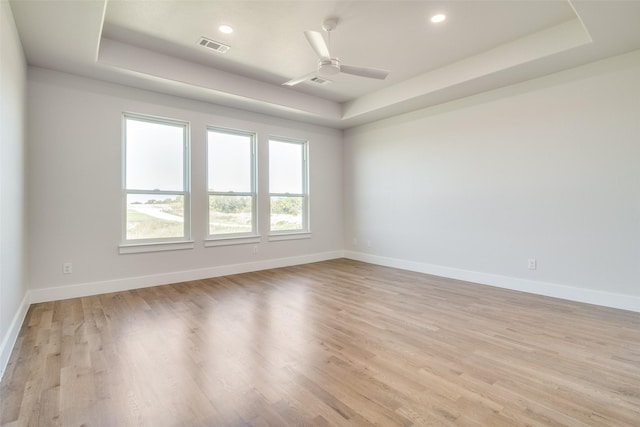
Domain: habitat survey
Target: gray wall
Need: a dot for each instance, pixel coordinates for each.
(547, 169)
(13, 237)
(75, 160)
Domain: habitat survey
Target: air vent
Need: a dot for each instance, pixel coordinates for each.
(213, 45)
(319, 80)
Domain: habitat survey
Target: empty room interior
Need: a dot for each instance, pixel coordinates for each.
(323, 213)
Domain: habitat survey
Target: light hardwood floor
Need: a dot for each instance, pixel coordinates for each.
(333, 343)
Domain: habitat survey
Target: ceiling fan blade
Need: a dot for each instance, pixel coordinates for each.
(318, 44)
(372, 73)
(294, 82)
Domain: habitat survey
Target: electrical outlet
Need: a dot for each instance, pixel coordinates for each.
(67, 268)
(355, 241)
(255, 249)
(368, 243)
(532, 264)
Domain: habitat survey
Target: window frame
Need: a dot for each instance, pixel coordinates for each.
(160, 243)
(305, 231)
(252, 236)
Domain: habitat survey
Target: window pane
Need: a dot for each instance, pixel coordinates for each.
(151, 216)
(229, 162)
(230, 214)
(285, 167)
(154, 156)
(286, 213)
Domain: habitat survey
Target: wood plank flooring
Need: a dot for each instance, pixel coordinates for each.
(336, 343)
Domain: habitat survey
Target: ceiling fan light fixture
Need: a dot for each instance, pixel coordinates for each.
(329, 67)
(438, 18)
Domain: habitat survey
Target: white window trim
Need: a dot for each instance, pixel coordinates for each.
(157, 244)
(155, 247)
(228, 241)
(275, 235)
(289, 236)
(235, 238)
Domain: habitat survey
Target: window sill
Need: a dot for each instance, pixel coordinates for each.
(289, 236)
(136, 248)
(227, 241)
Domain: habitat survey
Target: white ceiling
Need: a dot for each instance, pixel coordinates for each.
(482, 45)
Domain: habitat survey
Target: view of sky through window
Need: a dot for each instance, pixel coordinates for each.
(227, 156)
(154, 156)
(285, 167)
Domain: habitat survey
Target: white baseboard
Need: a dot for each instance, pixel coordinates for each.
(590, 296)
(125, 284)
(95, 288)
(9, 340)
(607, 299)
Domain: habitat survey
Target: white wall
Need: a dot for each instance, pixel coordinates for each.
(13, 284)
(75, 188)
(548, 169)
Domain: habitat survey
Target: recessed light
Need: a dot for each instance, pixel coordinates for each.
(225, 29)
(436, 19)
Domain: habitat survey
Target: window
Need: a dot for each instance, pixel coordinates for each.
(156, 180)
(231, 183)
(288, 186)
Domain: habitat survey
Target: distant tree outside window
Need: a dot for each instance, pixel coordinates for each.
(288, 186)
(156, 185)
(231, 183)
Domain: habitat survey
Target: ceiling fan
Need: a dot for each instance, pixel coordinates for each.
(329, 65)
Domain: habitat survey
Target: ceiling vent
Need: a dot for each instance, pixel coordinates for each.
(213, 45)
(319, 80)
